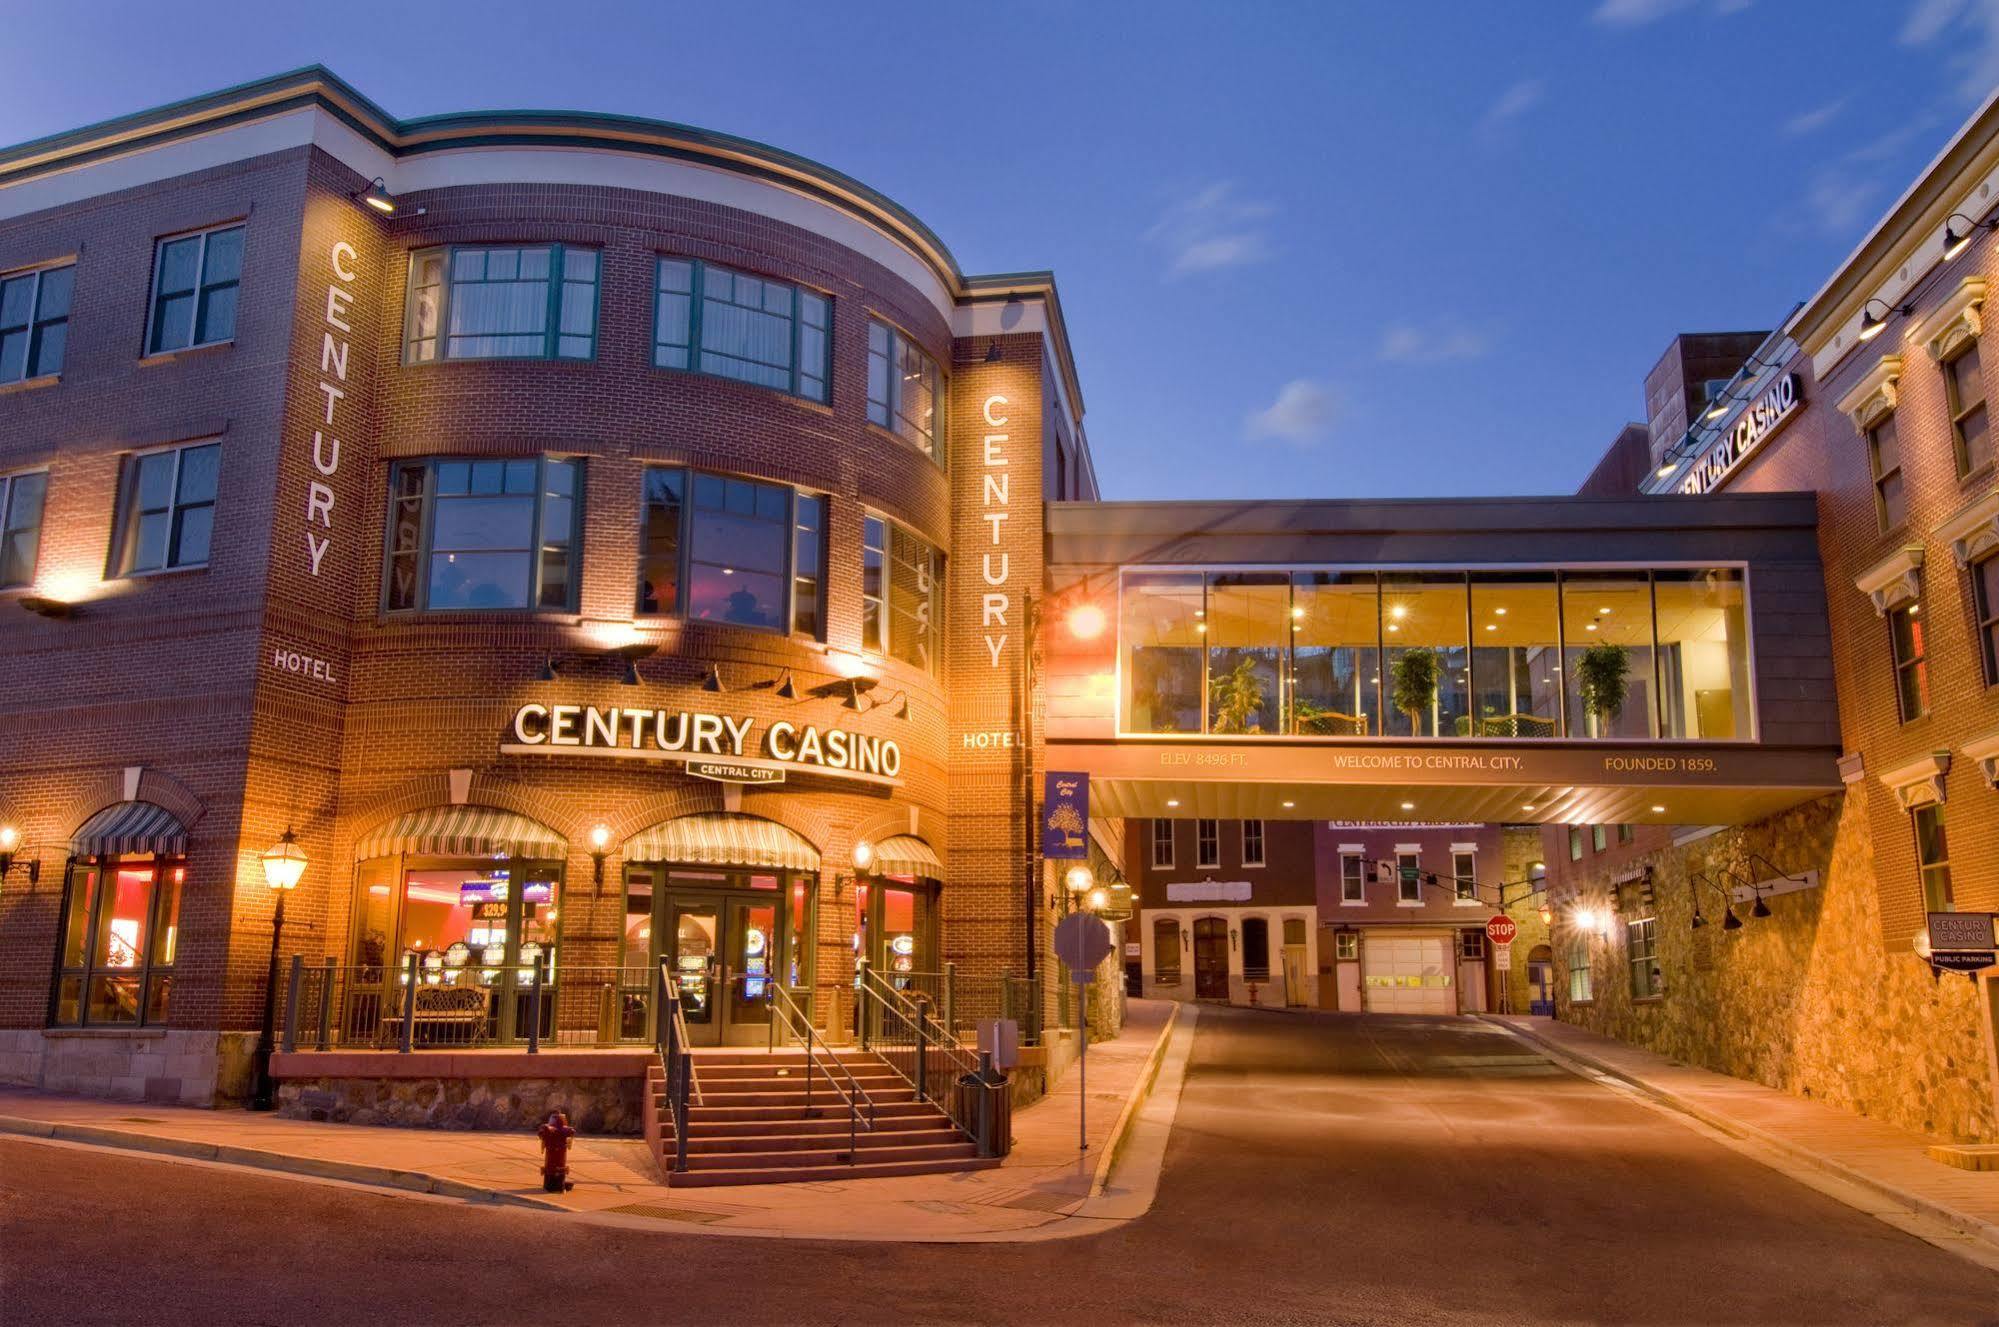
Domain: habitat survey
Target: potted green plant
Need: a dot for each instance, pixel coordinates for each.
(1235, 698)
(1603, 679)
(1414, 679)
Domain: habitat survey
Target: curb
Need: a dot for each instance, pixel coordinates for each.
(1984, 1231)
(353, 1172)
(1127, 1118)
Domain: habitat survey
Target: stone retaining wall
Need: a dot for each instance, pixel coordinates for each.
(594, 1105)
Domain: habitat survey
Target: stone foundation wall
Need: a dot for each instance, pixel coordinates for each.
(1805, 1000)
(594, 1105)
(170, 1066)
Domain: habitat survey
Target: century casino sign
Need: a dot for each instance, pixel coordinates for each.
(1765, 415)
(724, 747)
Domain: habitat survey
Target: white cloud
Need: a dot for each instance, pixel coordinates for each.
(1210, 229)
(1637, 13)
(1811, 121)
(1513, 103)
(1972, 51)
(1302, 413)
(1445, 339)
(1839, 199)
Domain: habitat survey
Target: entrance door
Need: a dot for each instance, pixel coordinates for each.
(1294, 976)
(696, 935)
(725, 956)
(1211, 958)
(1540, 987)
(748, 968)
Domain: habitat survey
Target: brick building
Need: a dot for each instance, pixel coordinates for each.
(598, 541)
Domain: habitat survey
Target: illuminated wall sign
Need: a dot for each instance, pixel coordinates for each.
(714, 746)
(332, 371)
(995, 495)
(1764, 416)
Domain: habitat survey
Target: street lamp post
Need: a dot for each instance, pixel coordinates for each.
(284, 863)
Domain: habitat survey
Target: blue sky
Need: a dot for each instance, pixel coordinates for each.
(1319, 249)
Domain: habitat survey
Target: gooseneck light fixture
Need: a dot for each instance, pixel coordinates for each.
(378, 197)
(1955, 241)
(1873, 324)
(10, 843)
(284, 865)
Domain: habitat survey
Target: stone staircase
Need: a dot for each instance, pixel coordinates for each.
(752, 1124)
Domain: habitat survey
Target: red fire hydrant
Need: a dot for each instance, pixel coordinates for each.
(555, 1135)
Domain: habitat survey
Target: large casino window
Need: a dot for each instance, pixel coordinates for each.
(905, 390)
(195, 281)
(1608, 613)
(1516, 655)
(1336, 654)
(735, 551)
(472, 534)
(501, 302)
(748, 328)
(1703, 644)
(902, 603)
(120, 928)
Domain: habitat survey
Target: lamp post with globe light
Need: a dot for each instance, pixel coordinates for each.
(284, 863)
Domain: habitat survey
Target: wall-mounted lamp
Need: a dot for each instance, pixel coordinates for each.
(1097, 899)
(600, 843)
(713, 682)
(10, 841)
(853, 700)
(785, 688)
(992, 352)
(547, 673)
(1955, 241)
(1872, 325)
(631, 652)
(864, 856)
(43, 606)
(1186, 938)
(1087, 621)
(378, 197)
(1079, 878)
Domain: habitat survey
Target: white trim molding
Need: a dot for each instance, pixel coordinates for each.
(1959, 318)
(1894, 580)
(1873, 397)
(1985, 751)
(1920, 782)
(1973, 529)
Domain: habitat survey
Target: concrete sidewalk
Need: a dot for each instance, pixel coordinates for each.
(1887, 1161)
(1047, 1180)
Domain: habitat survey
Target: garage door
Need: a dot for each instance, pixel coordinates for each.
(1407, 974)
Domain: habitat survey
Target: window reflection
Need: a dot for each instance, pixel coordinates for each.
(1162, 625)
(1703, 653)
(1336, 654)
(1423, 626)
(1516, 655)
(1248, 630)
(1607, 621)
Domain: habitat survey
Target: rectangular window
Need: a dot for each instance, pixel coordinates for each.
(1255, 949)
(905, 391)
(21, 499)
(1597, 841)
(167, 509)
(1933, 858)
(1464, 873)
(720, 549)
(1575, 843)
(1252, 843)
(1884, 456)
(1346, 944)
(1162, 844)
(1580, 989)
(34, 322)
(1353, 878)
(1641, 945)
(469, 534)
(1985, 589)
(120, 928)
(1965, 384)
(195, 279)
(501, 302)
(1471, 944)
(1165, 947)
(1624, 834)
(902, 604)
(749, 328)
(1912, 668)
(1207, 843)
(1409, 877)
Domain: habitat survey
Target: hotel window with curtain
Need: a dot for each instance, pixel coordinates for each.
(1985, 593)
(1252, 843)
(501, 302)
(905, 390)
(34, 322)
(468, 534)
(1964, 383)
(1162, 844)
(21, 499)
(1933, 858)
(748, 328)
(166, 509)
(718, 549)
(1912, 669)
(902, 601)
(120, 930)
(1884, 458)
(195, 281)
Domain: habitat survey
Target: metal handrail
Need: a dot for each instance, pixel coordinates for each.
(943, 1038)
(677, 1060)
(783, 1004)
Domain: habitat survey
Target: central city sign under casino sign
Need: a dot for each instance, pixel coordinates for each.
(723, 747)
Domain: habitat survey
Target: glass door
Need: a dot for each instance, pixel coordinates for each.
(751, 966)
(696, 935)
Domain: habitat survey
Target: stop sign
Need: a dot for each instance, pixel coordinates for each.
(1501, 929)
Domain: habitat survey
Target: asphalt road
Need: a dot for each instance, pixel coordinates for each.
(1322, 1169)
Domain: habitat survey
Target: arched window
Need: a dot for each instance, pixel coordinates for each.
(1166, 949)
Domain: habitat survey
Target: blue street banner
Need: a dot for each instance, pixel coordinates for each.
(1065, 816)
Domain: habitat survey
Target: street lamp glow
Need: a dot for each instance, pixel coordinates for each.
(284, 862)
(1079, 879)
(1086, 621)
(864, 855)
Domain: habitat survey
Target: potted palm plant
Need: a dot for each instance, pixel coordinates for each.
(1602, 682)
(1235, 699)
(1415, 677)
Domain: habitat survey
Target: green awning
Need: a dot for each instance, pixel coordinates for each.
(905, 854)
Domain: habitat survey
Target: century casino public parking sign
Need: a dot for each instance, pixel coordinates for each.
(724, 747)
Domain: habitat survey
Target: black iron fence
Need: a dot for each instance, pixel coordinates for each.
(414, 1008)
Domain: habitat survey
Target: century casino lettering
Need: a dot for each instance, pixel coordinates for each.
(995, 492)
(332, 370)
(643, 730)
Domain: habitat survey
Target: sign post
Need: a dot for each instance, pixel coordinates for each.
(1082, 941)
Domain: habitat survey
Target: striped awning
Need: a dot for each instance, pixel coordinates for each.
(905, 854)
(717, 838)
(462, 831)
(130, 827)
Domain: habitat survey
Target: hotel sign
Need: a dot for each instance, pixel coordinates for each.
(1765, 416)
(723, 747)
